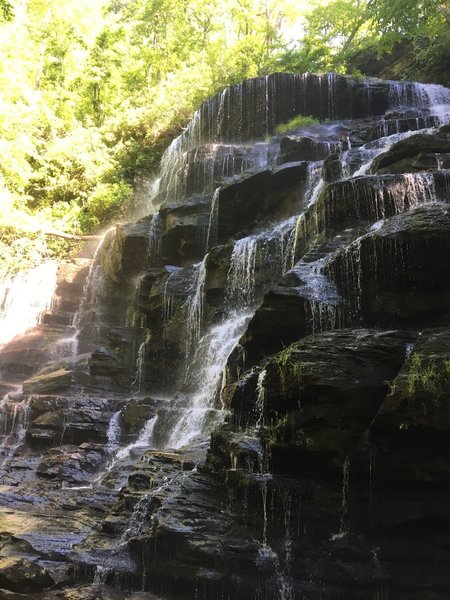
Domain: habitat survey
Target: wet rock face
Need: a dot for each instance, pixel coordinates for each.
(313, 147)
(397, 272)
(124, 253)
(268, 195)
(417, 406)
(337, 375)
(71, 465)
(414, 154)
(184, 230)
(48, 382)
(64, 419)
(282, 96)
(280, 320)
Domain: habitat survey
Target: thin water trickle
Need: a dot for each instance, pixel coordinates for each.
(372, 481)
(144, 440)
(101, 574)
(263, 489)
(138, 518)
(65, 347)
(139, 377)
(195, 307)
(113, 433)
(211, 237)
(241, 276)
(260, 398)
(343, 527)
(419, 188)
(154, 239)
(15, 437)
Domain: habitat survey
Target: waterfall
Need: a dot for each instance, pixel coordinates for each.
(205, 374)
(345, 491)
(139, 377)
(113, 433)
(195, 307)
(143, 441)
(195, 354)
(260, 398)
(241, 277)
(213, 220)
(93, 293)
(23, 299)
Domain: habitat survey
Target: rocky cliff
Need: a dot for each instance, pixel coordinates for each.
(245, 394)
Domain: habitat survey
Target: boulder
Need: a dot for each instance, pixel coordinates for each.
(422, 144)
(185, 227)
(26, 354)
(137, 411)
(107, 370)
(73, 465)
(304, 147)
(304, 301)
(23, 575)
(44, 382)
(367, 199)
(255, 198)
(417, 408)
(124, 251)
(330, 386)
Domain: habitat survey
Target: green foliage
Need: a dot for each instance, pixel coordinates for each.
(105, 202)
(336, 32)
(287, 430)
(298, 122)
(6, 10)
(428, 376)
(290, 368)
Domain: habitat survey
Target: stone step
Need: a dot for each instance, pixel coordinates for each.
(57, 317)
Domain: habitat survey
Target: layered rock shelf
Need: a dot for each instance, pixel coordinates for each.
(245, 394)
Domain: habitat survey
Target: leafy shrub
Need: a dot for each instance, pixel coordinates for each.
(297, 123)
(428, 376)
(106, 202)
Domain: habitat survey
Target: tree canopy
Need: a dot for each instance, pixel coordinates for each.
(337, 31)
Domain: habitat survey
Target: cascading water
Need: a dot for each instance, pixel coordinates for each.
(195, 308)
(28, 294)
(205, 374)
(143, 441)
(213, 219)
(92, 297)
(241, 287)
(154, 239)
